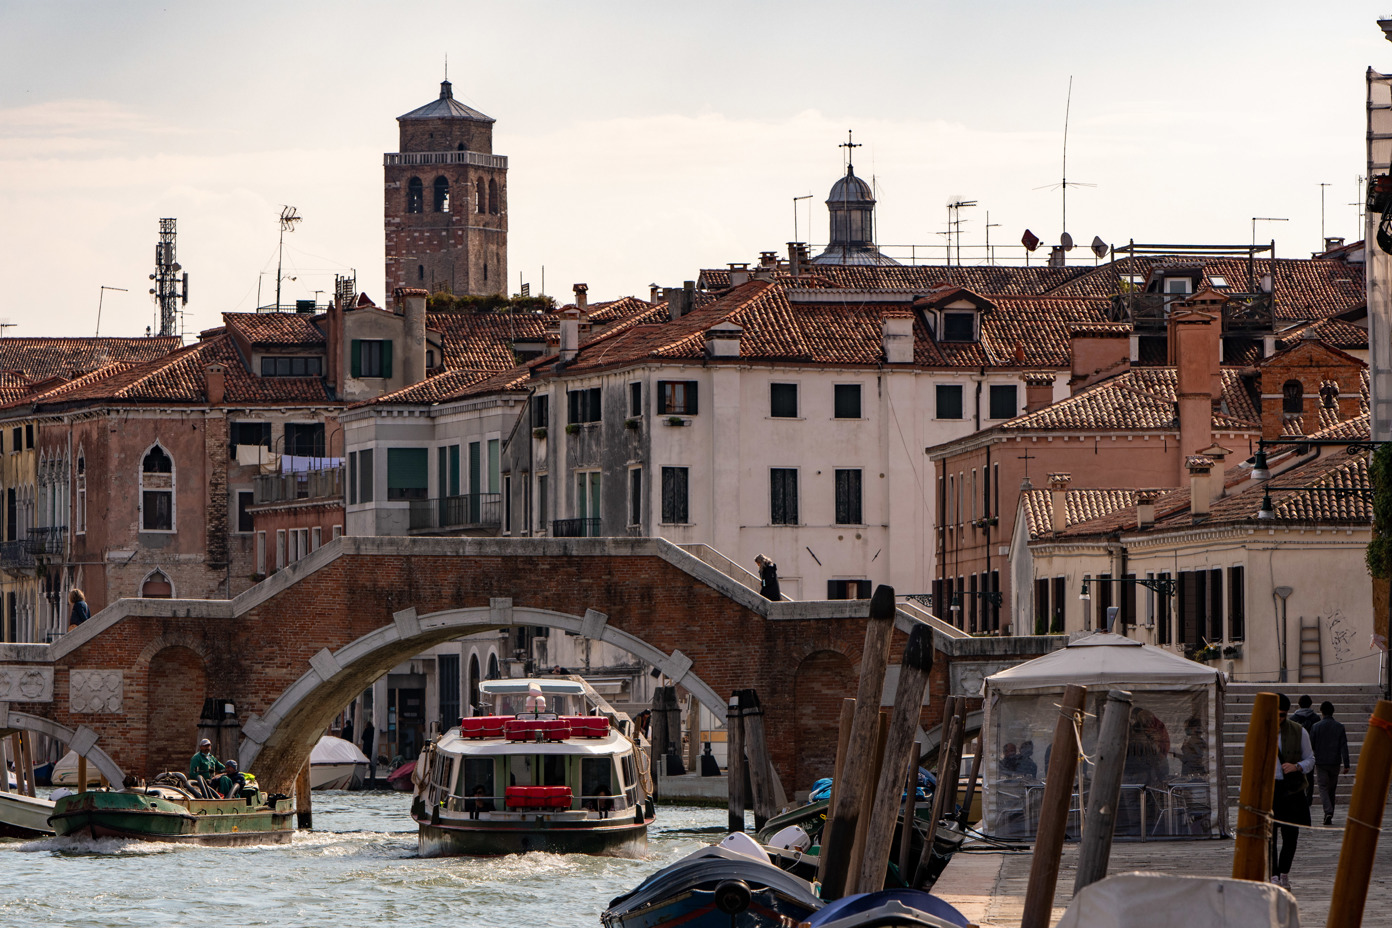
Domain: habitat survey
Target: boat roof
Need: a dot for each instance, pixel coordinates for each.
(521, 687)
(453, 743)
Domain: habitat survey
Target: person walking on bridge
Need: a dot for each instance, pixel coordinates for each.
(1330, 743)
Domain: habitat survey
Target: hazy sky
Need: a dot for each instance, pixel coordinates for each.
(648, 140)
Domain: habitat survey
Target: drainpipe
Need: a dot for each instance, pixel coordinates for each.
(1117, 552)
(1282, 592)
(981, 376)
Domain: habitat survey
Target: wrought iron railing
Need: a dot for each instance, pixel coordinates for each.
(1242, 312)
(575, 528)
(310, 484)
(47, 540)
(15, 554)
(448, 512)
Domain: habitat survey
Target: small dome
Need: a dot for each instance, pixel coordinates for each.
(850, 189)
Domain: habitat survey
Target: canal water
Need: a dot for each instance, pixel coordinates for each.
(357, 868)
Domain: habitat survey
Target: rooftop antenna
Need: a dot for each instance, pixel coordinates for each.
(100, 297)
(1063, 182)
(287, 224)
(990, 256)
(1257, 219)
(954, 222)
(1322, 186)
(167, 291)
(809, 218)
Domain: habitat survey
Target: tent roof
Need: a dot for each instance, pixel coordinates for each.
(1105, 658)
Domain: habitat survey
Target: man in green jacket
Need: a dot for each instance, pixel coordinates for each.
(204, 764)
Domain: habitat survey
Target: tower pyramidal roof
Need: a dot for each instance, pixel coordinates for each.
(446, 107)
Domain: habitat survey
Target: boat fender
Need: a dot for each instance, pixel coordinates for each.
(741, 843)
(792, 838)
(732, 896)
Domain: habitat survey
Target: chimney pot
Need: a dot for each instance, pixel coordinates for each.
(896, 336)
(654, 291)
(413, 325)
(1039, 389)
(581, 296)
(1058, 494)
(1145, 506)
(570, 334)
(215, 381)
(1199, 468)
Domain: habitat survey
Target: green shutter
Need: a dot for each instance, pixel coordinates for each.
(691, 397)
(355, 352)
(386, 358)
(408, 468)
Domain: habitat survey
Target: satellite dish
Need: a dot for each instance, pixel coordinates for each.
(1066, 241)
(1029, 240)
(1099, 247)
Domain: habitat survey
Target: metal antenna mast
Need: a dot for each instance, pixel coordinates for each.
(1063, 182)
(169, 290)
(990, 258)
(101, 296)
(1322, 186)
(287, 224)
(954, 223)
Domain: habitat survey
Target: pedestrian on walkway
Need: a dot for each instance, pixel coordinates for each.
(1307, 717)
(768, 577)
(1330, 744)
(1294, 761)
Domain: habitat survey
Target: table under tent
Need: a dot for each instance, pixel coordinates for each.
(1173, 784)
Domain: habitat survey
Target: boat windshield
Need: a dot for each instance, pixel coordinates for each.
(556, 704)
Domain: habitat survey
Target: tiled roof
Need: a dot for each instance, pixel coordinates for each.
(1355, 429)
(41, 358)
(1141, 398)
(1335, 332)
(482, 342)
(994, 280)
(1079, 505)
(442, 387)
(287, 330)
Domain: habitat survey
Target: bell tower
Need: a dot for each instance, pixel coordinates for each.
(446, 202)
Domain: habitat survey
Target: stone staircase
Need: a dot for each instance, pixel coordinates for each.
(1353, 703)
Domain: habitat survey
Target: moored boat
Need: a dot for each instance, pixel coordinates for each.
(336, 764)
(24, 816)
(168, 812)
(554, 768)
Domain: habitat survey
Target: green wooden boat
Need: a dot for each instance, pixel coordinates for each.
(169, 813)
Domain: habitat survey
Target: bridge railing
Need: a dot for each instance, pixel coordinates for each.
(713, 558)
(466, 510)
(575, 528)
(915, 609)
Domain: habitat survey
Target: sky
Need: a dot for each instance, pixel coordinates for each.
(647, 141)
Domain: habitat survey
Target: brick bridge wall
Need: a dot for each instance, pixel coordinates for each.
(281, 652)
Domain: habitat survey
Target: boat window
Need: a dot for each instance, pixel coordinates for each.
(628, 773)
(553, 770)
(478, 771)
(596, 776)
(520, 770)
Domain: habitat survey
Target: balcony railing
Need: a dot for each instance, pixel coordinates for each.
(477, 159)
(47, 540)
(310, 484)
(1242, 312)
(575, 528)
(451, 512)
(15, 554)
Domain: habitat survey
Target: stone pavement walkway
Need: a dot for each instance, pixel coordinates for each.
(990, 888)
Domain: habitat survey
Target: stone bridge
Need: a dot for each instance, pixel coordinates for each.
(126, 689)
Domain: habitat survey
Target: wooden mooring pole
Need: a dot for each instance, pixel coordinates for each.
(948, 734)
(911, 787)
(734, 771)
(304, 813)
(1251, 850)
(26, 767)
(843, 740)
(1365, 810)
(1053, 814)
(760, 764)
(1096, 849)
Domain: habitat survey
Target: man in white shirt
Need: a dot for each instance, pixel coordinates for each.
(1294, 761)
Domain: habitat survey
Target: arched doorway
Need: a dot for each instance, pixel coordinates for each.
(176, 683)
(824, 678)
(473, 683)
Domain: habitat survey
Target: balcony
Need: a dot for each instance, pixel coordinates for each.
(1243, 313)
(477, 159)
(575, 528)
(471, 510)
(15, 555)
(304, 485)
(49, 540)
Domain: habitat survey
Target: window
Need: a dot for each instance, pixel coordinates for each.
(304, 439)
(244, 520)
(415, 196)
(494, 449)
(541, 411)
(157, 491)
(280, 548)
(676, 397)
(1237, 605)
(441, 201)
(848, 589)
(407, 473)
(783, 496)
(338, 531)
(316, 537)
(352, 477)
(1059, 599)
(291, 367)
(949, 400)
(541, 503)
(1041, 606)
(480, 197)
(16, 440)
(80, 513)
(635, 496)
(493, 197)
(420, 272)
(635, 399)
(674, 496)
(248, 433)
(584, 405)
(507, 504)
(783, 400)
(1193, 608)
(959, 327)
(29, 435)
(848, 497)
(371, 357)
(365, 481)
(1163, 613)
(261, 553)
(1003, 400)
(1292, 397)
(1215, 605)
(846, 400)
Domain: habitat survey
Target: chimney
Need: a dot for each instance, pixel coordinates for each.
(581, 299)
(1039, 389)
(795, 258)
(1057, 258)
(1198, 380)
(1216, 453)
(413, 325)
(570, 333)
(215, 382)
(739, 274)
(1199, 499)
(654, 291)
(896, 336)
(679, 302)
(723, 340)
(1058, 497)
(1145, 507)
(1099, 351)
(334, 324)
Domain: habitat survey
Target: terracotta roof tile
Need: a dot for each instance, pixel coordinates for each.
(990, 279)
(1335, 332)
(1079, 505)
(38, 359)
(280, 329)
(1141, 398)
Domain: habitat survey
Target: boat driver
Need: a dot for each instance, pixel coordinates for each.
(204, 764)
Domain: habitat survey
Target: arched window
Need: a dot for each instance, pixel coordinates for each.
(1292, 397)
(480, 196)
(157, 585)
(473, 684)
(493, 673)
(420, 272)
(493, 197)
(441, 202)
(461, 147)
(80, 510)
(415, 196)
(157, 491)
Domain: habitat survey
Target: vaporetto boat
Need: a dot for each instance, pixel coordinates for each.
(554, 768)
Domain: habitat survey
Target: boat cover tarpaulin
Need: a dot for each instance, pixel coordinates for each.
(1158, 900)
(332, 750)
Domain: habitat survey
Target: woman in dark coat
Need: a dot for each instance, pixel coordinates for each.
(768, 578)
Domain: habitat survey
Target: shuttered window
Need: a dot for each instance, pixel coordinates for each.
(848, 497)
(408, 471)
(783, 496)
(371, 357)
(674, 496)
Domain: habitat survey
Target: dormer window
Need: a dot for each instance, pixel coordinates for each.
(958, 327)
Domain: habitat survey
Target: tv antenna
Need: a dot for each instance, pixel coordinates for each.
(954, 224)
(990, 257)
(100, 297)
(287, 224)
(1360, 205)
(809, 218)
(1063, 183)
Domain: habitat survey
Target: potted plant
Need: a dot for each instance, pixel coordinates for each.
(633, 423)
(539, 432)
(676, 421)
(1233, 650)
(1207, 653)
(573, 428)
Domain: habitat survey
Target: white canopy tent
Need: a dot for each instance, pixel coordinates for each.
(1173, 783)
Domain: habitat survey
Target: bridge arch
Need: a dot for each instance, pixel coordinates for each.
(278, 743)
(83, 740)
